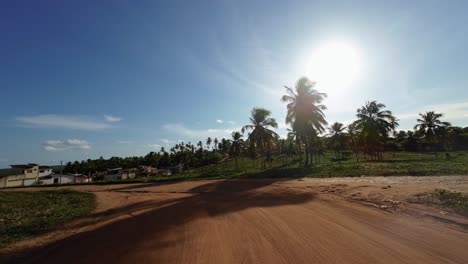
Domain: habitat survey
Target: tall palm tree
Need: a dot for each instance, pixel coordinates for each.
(336, 132)
(375, 125)
(236, 146)
(262, 137)
(429, 125)
(200, 145)
(353, 139)
(215, 141)
(208, 143)
(305, 112)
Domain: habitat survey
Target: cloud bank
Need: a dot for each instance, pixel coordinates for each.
(69, 144)
(62, 121)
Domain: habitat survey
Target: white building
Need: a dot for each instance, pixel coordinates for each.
(44, 171)
(63, 179)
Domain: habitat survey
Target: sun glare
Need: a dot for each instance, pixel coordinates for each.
(335, 65)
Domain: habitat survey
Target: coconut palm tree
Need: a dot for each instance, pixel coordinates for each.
(353, 139)
(375, 125)
(208, 143)
(305, 113)
(215, 141)
(200, 145)
(236, 146)
(336, 133)
(429, 125)
(262, 137)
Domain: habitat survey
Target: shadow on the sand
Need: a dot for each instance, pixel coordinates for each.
(150, 220)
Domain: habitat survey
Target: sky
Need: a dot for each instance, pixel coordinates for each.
(84, 79)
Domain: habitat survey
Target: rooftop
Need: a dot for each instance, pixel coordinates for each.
(23, 166)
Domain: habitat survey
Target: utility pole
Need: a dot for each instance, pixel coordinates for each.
(60, 179)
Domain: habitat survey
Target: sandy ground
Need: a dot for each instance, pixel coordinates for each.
(337, 220)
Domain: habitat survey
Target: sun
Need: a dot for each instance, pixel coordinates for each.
(335, 64)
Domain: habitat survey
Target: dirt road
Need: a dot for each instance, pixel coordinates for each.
(350, 220)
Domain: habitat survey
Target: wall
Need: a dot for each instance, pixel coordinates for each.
(128, 175)
(57, 179)
(31, 173)
(14, 180)
(28, 182)
(45, 173)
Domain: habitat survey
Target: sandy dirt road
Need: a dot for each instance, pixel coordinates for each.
(349, 220)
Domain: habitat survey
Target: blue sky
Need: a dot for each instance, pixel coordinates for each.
(83, 79)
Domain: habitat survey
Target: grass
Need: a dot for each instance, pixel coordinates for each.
(24, 214)
(394, 164)
(456, 201)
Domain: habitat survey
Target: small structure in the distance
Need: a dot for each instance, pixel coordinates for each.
(64, 179)
(120, 174)
(20, 175)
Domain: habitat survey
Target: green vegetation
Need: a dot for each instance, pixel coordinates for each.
(370, 145)
(456, 201)
(23, 214)
(394, 164)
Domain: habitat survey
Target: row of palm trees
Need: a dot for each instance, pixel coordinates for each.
(305, 115)
(369, 134)
(308, 136)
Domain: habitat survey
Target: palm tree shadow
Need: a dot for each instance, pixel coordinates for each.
(280, 172)
(148, 228)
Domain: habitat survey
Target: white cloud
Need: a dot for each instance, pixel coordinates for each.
(62, 121)
(221, 121)
(112, 119)
(185, 132)
(124, 142)
(156, 146)
(69, 144)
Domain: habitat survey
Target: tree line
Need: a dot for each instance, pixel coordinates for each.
(372, 133)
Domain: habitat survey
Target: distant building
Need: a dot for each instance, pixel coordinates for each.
(64, 179)
(20, 175)
(44, 171)
(120, 174)
(28, 174)
(147, 170)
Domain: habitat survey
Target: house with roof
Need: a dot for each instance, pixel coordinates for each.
(20, 175)
(64, 179)
(120, 174)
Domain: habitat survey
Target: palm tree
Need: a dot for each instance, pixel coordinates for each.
(216, 143)
(236, 146)
(336, 132)
(305, 112)
(262, 137)
(375, 124)
(208, 143)
(429, 125)
(353, 139)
